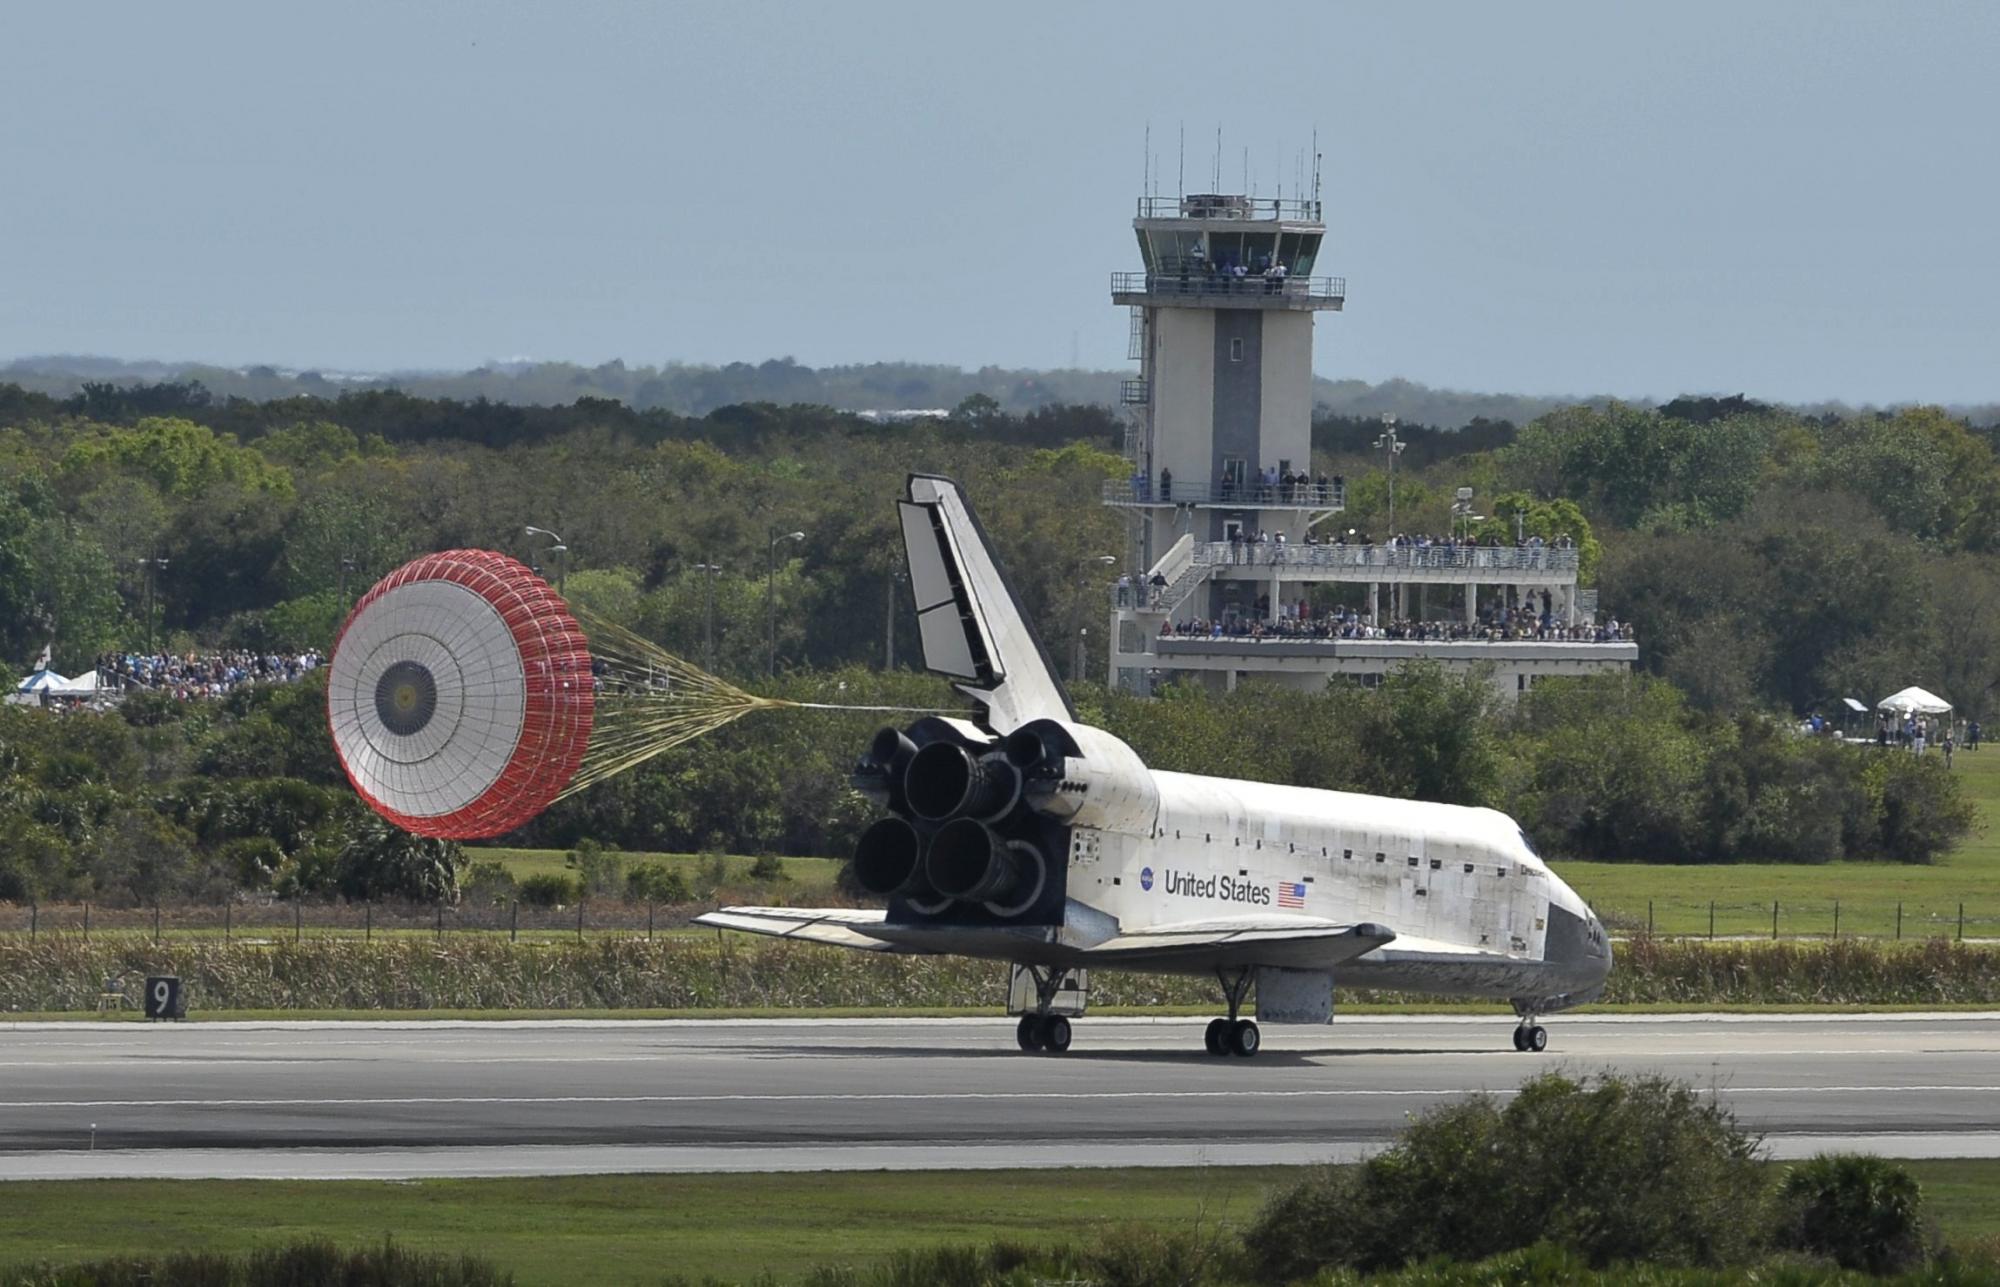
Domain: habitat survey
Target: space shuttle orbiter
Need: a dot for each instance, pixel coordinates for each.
(1022, 835)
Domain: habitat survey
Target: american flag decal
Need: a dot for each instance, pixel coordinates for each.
(1292, 893)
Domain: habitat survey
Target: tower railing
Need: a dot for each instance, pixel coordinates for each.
(1219, 205)
(1479, 558)
(1135, 491)
(1195, 283)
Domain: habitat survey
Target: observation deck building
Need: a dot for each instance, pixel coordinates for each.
(1218, 437)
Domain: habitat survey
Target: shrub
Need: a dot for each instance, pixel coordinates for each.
(1613, 1169)
(488, 884)
(768, 868)
(598, 870)
(654, 882)
(1864, 1212)
(547, 889)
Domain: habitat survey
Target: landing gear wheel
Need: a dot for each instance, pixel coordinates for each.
(1216, 1039)
(1538, 1039)
(1055, 1033)
(1029, 1032)
(1520, 1038)
(1244, 1039)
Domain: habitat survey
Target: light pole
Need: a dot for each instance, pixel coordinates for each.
(562, 568)
(346, 566)
(1083, 631)
(1392, 448)
(896, 577)
(151, 574)
(708, 573)
(771, 591)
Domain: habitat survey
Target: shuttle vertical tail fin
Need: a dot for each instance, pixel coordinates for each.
(970, 620)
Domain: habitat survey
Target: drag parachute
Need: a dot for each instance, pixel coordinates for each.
(459, 695)
(465, 698)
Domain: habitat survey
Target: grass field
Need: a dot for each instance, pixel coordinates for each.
(1867, 892)
(620, 1229)
(800, 873)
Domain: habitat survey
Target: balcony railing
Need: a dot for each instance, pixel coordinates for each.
(1477, 558)
(1134, 393)
(1218, 205)
(1133, 491)
(1201, 284)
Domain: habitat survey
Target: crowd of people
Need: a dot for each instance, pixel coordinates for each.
(1299, 623)
(194, 675)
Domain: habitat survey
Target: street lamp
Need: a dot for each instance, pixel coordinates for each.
(562, 568)
(1083, 631)
(771, 590)
(151, 568)
(346, 566)
(1392, 448)
(708, 573)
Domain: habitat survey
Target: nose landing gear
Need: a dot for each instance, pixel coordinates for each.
(1050, 1032)
(1531, 1037)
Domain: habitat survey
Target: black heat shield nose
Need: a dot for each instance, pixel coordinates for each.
(946, 781)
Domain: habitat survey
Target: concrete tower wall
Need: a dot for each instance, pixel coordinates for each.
(1285, 414)
(1184, 392)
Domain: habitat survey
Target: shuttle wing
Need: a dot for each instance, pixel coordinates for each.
(970, 620)
(1295, 942)
(835, 926)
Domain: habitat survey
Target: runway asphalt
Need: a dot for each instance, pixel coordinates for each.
(400, 1100)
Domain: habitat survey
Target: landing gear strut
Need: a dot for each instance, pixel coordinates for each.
(1038, 1029)
(1233, 1036)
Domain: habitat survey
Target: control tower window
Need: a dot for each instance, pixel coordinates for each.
(1173, 251)
(1298, 250)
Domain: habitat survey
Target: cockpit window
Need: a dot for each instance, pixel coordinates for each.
(1529, 845)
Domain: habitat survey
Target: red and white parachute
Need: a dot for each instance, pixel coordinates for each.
(459, 695)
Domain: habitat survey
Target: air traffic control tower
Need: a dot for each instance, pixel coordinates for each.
(1222, 329)
(1218, 440)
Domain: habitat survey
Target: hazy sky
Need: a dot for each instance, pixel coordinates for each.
(1797, 200)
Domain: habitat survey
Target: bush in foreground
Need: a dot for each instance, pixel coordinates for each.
(1864, 1212)
(1614, 1169)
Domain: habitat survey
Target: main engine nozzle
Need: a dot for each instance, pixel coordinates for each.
(945, 781)
(888, 859)
(970, 860)
(879, 773)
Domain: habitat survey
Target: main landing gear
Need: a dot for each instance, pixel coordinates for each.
(1048, 1032)
(1039, 1030)
(1233, 1036)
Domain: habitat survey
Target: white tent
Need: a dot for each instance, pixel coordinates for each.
(1915, 701)
(84, 685)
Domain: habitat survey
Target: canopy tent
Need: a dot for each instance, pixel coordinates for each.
(1854, 706)
(1914, 701)
(84, 685)
(40, 682)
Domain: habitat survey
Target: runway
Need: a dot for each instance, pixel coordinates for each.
(401, 1100)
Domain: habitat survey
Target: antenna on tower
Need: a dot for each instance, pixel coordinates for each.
(1146, 168)
(1182, 180)
(1215, 171)
(1315, 165)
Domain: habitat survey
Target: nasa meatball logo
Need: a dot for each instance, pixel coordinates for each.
(1146, 878)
